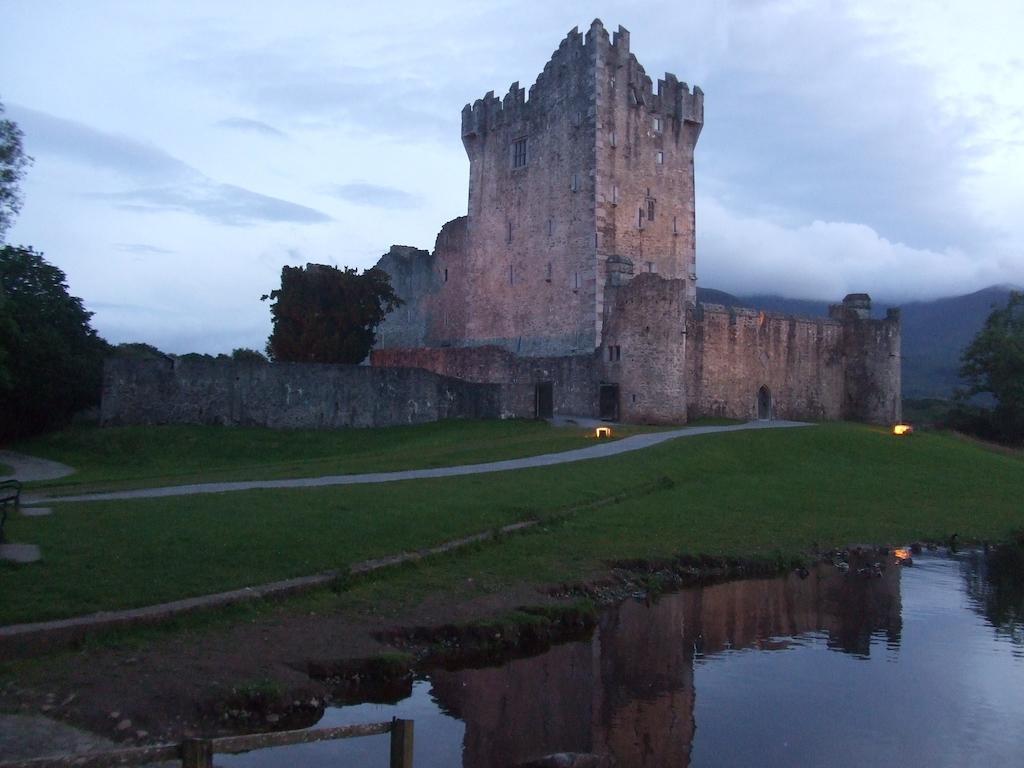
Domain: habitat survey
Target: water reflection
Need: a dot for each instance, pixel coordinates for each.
(919, 666)
(630, 692)
(995, 589)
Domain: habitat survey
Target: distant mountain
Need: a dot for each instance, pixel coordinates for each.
(935, 333)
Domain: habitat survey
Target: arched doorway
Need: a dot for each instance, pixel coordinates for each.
(764, 403)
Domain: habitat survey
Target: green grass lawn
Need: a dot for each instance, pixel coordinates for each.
(113, 458)
(747, 493)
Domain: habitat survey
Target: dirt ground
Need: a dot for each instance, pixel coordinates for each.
(187, 683)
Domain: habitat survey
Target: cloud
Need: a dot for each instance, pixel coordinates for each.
(168, 183)
(284, 81)
(222, 203)
(48, 134)
(142, 249)
(375, 196)
(251, 126)
(828, 259)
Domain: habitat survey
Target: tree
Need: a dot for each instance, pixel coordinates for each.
(246, 355)
(137, 350)
(51, 359)
(993, 364)
(13, 164)
(323, 314)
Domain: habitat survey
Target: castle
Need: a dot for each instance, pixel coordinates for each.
(571, 281)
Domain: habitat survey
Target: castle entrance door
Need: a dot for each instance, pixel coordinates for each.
(764, 403)
(608, 402)
(543, 400)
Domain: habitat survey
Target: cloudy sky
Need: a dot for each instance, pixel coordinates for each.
(185, 151)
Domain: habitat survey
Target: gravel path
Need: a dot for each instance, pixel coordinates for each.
(596, 451)
(27, 468)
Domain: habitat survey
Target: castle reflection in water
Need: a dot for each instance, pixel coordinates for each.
(629, 691)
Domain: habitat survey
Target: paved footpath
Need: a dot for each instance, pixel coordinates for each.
(28, 468)
(596, 451)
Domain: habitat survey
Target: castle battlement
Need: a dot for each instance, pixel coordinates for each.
(575, 59)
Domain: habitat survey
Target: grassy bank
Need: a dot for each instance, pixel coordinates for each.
(6, 470)
(134, 457)
(746, 493)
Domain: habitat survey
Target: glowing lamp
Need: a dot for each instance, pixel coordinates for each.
(603, 432)
(902, 553)
(902, 429)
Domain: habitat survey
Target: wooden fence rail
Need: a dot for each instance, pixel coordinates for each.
(198, 753)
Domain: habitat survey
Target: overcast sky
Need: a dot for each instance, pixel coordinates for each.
(186, 151)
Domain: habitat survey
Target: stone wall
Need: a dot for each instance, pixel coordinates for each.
(645, 347)
(571, 377)
(285, 395)
(799, 360)
(531, 223)
(644, 194)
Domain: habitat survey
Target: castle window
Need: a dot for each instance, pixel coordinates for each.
(510, 232)
(650, 209)
(640, 218)
(551, 227)
(446, 274)
(657, 124)
(511, 275)
(611, 138)
(615, 195)
(659, 158)
(575, 281)
(574, 182)
(519, 153)
(675, 226)
(548, 278)
(650, 266)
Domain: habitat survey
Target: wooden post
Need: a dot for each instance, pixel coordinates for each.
(401, 743)
(197, 753)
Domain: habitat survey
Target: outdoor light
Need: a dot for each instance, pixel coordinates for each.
(603, 432)
(902, 429)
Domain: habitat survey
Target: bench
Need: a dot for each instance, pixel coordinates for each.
(10, 493)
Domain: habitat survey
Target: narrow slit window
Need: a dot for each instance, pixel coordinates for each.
(551, 227)
(657, 124)
(519, 153)
(510, 232)
(511, 275)
(659, 158)
(675, 225)
(446, 274)
(574, 182)
(575, 281)
(650, 210)
(615, 195)
(640, 218)
(611, 138)
(548, 278)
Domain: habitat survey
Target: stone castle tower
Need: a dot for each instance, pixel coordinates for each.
(571, 280)
(585, 178)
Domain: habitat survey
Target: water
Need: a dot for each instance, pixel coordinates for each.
(921, 666)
